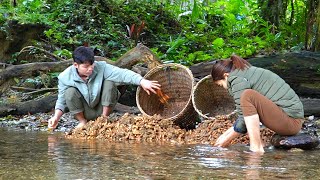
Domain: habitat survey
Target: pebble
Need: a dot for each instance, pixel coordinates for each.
(311, 118)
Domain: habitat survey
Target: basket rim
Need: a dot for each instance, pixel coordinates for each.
(195, 105)
(157, 68)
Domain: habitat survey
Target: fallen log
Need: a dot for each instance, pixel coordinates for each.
(46, 104)
(311, 106)
(24, 89)
(28, 70)
(42, 105)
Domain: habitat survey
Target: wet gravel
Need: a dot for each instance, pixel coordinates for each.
(38, 122)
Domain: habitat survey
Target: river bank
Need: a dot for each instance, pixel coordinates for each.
(139, 128)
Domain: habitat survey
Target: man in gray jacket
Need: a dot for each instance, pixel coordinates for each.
(88, 87)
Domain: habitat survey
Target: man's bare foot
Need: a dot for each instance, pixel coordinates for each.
(103, 116)
(80, 125)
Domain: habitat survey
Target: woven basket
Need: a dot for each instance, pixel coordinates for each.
(177, 82)
(211, 100)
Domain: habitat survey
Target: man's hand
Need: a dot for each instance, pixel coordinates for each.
(148, 86)
(53, 121)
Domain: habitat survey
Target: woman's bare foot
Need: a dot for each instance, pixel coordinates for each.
(258, 150)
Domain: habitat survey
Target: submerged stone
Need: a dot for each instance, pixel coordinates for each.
(303, 141)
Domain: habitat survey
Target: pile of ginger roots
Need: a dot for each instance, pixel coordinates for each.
(141, 128)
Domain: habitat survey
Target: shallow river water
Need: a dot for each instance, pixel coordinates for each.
(41, 155)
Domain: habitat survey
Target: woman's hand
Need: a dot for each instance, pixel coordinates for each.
(225, 139)
(148, 86)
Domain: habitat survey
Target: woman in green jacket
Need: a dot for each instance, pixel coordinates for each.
(260, 96)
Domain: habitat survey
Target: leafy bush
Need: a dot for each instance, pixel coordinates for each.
(181, 31)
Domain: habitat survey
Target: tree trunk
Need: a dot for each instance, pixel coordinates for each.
(312, 25)
(14, 36)
(273, 11)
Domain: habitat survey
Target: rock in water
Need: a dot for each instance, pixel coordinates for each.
(302, 141)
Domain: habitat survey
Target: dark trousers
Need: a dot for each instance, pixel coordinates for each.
(76, 103)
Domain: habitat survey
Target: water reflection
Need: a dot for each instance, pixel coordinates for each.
(36, 155)
(87, 159)
(22, 157)
(253, 165)
(214, 157)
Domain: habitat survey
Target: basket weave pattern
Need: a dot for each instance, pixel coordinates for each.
(177, 82)
(211, 100)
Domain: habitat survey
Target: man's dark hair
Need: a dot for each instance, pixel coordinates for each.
(83, 54)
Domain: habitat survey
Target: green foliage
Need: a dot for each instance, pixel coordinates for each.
(29, 11)
(178, 31)
(66, 54)
(5, 9)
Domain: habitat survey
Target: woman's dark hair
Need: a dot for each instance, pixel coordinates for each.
(83, 54)
(226, 66)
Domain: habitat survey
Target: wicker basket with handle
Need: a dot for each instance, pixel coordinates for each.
(210, 100)
(177, 83)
